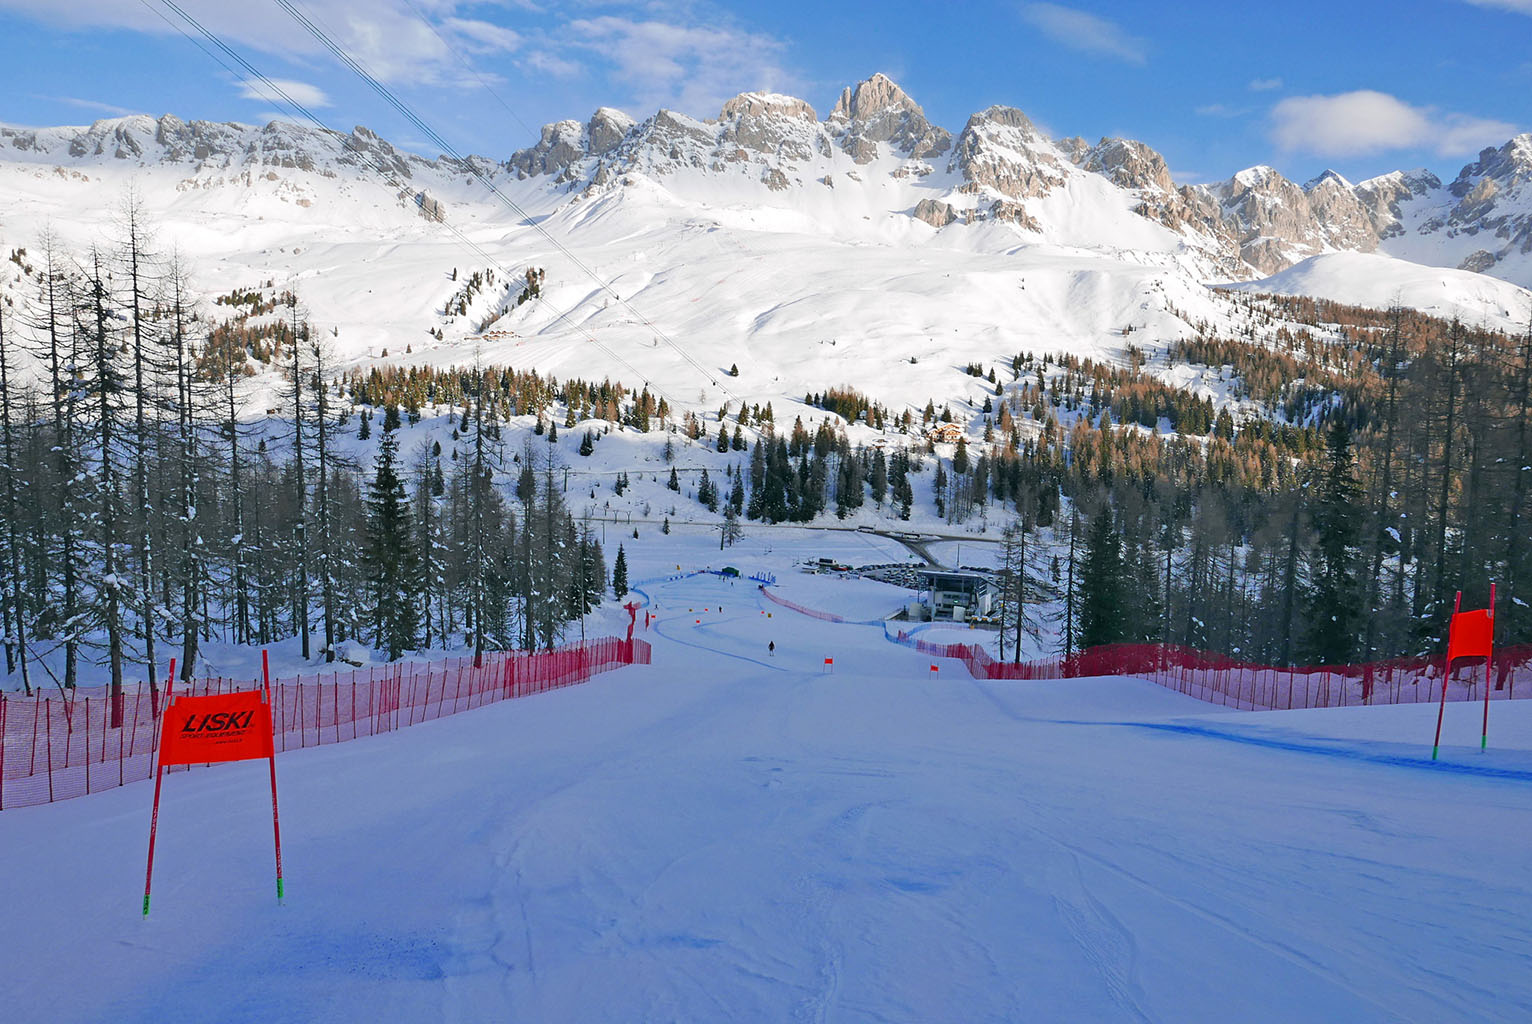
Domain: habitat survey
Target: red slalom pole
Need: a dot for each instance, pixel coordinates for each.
(1441, 710)
(271, 757)
(159, 775)
(1489, 662)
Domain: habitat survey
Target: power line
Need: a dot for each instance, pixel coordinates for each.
(389, 180)
(408, 113)
(467, 66)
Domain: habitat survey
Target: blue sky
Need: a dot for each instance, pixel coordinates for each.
(1363, 87)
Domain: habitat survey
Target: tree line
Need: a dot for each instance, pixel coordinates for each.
(144, 516)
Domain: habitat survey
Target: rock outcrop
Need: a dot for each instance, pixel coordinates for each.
(878, 111)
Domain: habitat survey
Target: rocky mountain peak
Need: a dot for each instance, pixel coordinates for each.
(607, 127)
(878, 111)
(1327, 179)
(1129, 164)
(765, 104)
(1509, 166)
(872, 97)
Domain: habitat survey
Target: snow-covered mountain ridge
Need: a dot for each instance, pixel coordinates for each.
(871, 248)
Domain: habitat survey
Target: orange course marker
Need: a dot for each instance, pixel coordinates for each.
(223, 727)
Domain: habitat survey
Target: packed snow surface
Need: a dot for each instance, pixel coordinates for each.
(734, 835)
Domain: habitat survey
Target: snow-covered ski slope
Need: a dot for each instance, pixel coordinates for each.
(730, 835)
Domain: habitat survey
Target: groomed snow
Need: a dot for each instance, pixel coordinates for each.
(732, 835)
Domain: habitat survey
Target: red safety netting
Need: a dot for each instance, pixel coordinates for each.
(53, 748)
(800, 609)
(1239, 684)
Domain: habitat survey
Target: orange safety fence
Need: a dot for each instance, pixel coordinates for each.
(56, 747)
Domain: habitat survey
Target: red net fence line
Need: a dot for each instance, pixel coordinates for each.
(812, 613)
(1238, 684)
(54, 748)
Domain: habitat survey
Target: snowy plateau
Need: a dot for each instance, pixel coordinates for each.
(783, 818)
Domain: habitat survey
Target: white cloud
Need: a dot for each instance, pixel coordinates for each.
(1367, 121)
(1265, 84)
(691, 68)
(551, 64)
(96, 105)
(1518, 6)
(387, 36)
(1086, 32)
(482, 36)
(303, 93)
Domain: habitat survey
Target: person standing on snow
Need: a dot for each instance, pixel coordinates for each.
(771, 649)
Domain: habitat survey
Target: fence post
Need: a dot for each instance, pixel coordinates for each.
(48, 713)
(4, 705)
(87, 746)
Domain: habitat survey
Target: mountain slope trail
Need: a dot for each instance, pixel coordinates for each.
(731, 835)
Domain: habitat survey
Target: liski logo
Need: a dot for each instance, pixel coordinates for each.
(220, 722)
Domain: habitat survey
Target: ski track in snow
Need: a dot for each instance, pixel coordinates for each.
(725, 836)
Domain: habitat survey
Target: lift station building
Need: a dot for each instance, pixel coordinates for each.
(955, 596)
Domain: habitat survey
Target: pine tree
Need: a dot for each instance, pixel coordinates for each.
(1102, 599)
(1332, 595)
(620, 574)
(391, 559)
(16, 609)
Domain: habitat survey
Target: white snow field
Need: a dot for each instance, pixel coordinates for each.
(729, 835)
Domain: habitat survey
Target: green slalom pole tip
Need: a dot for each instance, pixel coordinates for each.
(146, 905)
(279, 887)
(1433, 753)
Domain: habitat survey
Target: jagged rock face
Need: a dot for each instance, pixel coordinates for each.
(761, 104)
(1194, 209)
(606, 130)
(1494, 196)
(1008, 213)
(1339, 215)
(1000, 149)
(769, 123)
(935, 213)
(878, 111)
(562, 144)
(1272, 219)
(1478, 261)
(1129, 164)
(210, 146)
(1383, 197)
(1074, 148)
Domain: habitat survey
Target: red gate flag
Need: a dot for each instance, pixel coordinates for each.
(225, 727)
(1471, 635)
(829, 661)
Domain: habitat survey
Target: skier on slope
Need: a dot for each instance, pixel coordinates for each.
(771, 649)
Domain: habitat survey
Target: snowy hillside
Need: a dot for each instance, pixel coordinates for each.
(1376, 280)
(870, 249)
